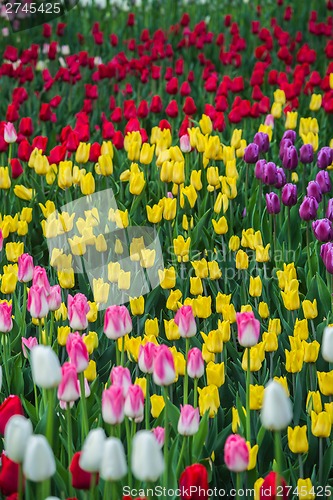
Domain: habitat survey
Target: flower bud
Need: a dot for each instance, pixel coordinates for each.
(251, 153)
(195, 363)
(248, 329)
(25, 268)
(276, 413)
(164, 372)
(188, 423)
(313, 189)
(113, 405)
(45, 367)
(306, 153)
(113, 464)
(17, 432)
(322, 229)
(185, 321)
(134, 403)
(308, 208)
(236, 453)
(121, 377)
(273, 203)
(327, 344)
(39, 463)
(147, 462)
(92, 451)
(289, 195)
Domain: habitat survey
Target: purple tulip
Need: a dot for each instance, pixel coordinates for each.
(329, 210)
(324, 157)
(322, 229)
(284, 144)
(251, 153)
(273, 203)
(269, 173)
(259, 169)
(308, 208)
(326, 253)
(306, 153)
(289, 195)
(262, 141)
(290, 158)
(324, 181)
(314, 190)
(280, 178)
(289, 134)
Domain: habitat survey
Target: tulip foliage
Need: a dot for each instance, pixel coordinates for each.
(180, 331)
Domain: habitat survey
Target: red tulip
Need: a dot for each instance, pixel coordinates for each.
(8, 475)
(11, 406)
(193, 483)
(81, 479)
(268, 489)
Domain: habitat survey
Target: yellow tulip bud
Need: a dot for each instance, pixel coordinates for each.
(215, 374)
(209, 400)
(297, 439)
(157, 405)
(321, 424)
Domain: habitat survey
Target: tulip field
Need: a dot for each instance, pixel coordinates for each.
(166, 250)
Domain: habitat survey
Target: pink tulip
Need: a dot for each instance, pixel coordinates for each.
(146, 357)
(77, 352)
(195, 363)
(117, 322)
(248, 329)
(188, 423)
(6, 322)
(121, 377)
(68, 389)
(87, 390)
(185, 144)
(236, 453)
(29, 343)
(9, 133)
(25, 268)
(78, 309)
(40, 279)
(269, 120)
(54, 299)
(63, 405)
(134, 403)
(164, 372)
(37, 302)
(1, 240)
(185, 321)
(113, 405)
(159, 433)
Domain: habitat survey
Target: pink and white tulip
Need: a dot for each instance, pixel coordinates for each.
(25, 268)
(78, 309)
(236, 453)
(68, 389)
(195, 363)
(29, 343)
(248, 329)
(146, 357)
(54, 299)
(159, 433)
(9, 133)
(1, 240)
(6, 322)
(134, 403)
(40, 278)
(117, 322)
(37, 302)
(188, 423)
(164, 372)
(113, 405)
(185, 321)
(121, 377)
(77, 352)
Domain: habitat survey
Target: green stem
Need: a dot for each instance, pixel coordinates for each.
(36, 402)
(301, 472)
(187, 345)
(181, 456)
(248, 380)
(195, 396)
(147, 402)
(278, 456)
(321, 456)
(4, 340)
(308, 247)
(117, 354)
(69, 438)
(92, 486)
(289, 228)
(24, 310)
(107, 488)
(129, 443)
(238, 484)
(20, 482)
(122, 355)
(51, 328)
(166, 436)
(50, 415)
(85, 426)
(40, 332)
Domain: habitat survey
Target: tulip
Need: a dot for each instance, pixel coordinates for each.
(289, 195)
(45, 367)
(194, 478)
(77, 352)
(268, 175)
(185, 321)
(188, 423)
(39, 464)
(280, 178)
(274, 486)
(37, 302)
(6, 322)
(195, 363)
(25, 268)
(159, 434)
(324, 181)
(327, 344)
(262, 141)
(323, 230)
(78, 308)
(11, 406)
(248, 329)
(276, 411)
(134, 403)
(17, 432)
(9, 477)
(273, 203)
(326, 253)
(29, 343)
(113, 465)
(54, 298)
(80, 478)
(297, 439)
(251, 153)
(147, 461)
(290, 158)
(164, 372)
(68, 389)
(306, 153)
(113, 405)
(236, 453)
(92, 451)
(324, 157)
(313, 189)
(9, 133)
(117, 322)
(40, 279)
(308, 208)
(121, 377)
(146, 357)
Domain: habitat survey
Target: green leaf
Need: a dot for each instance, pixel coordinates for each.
(200, 437)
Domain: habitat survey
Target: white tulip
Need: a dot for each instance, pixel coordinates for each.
(147, 460)
(45, 367)
(113, 465)
(276, 413)
(327, 344)
(17, 432)
(39, 463)
(92, 451)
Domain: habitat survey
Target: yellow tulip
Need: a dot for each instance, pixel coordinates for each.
(200, 268)
(167, 278)
(169, 208)
(263, 310)
(311, 351)
(310, 310)
(137, 305)
(213, 341)
(137, 183)
(82, 153)
(154, 214)
(62, 334)
(220, 226)
(215, 272)
(101, 291)
(8, 283)
(23, 192)
(87, 184)
(182, 248)
(313, 402)
(255, 289)
(206, 124)
(209, 400)
(256, 396)
(297, 439)
(124, 280)
(146, 153)
(235, 423)
(321, 424)
(66, 278)
(301, 329)
(242, 260)
(14, 250)
(202, 306)
(305, 489)
(171, 330)
(236, 138)
(234, 243)
(229, 313)
(294, 360)
(65, 174)
(151, 327)
(173, 300)
(104, 166)
(91, 373)
(195, 179)
(291, 120)
(224, 328)
(253, 453)
(5, 181)
(221, 300)
(262, 253)
(157, 405)
(315, 102)
(215, 374)
(271, 341)
(91, 341)
(325, 381)
(92, 314)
